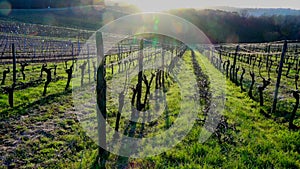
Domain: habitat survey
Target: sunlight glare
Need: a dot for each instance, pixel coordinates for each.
(163, 5)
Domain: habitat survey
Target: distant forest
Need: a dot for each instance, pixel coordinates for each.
(37, 4)
(222, 26)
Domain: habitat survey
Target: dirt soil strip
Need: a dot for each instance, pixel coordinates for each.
(23, 139)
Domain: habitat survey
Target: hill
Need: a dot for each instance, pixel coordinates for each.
(219, 25)
(257, 12)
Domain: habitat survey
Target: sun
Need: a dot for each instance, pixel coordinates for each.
(156, 5)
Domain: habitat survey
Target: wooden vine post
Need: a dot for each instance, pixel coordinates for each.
(73, 57)
(88, 62)
(119, 58)
(279, 77)
(140, 78)
(163, 69)
(14, 64)
(11, 90)
(101, 101)
(268, 56)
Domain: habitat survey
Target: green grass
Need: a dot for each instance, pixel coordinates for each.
(286, 101)
(256, 141)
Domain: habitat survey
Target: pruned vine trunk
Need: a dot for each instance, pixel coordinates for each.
(252, 74)
(5, 72)
(23, 65)
(140, 78)
(69, 72)
(242, 78)
(82, 67)
(296, 96)
(48, 71)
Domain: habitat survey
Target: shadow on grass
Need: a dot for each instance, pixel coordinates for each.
(264, 113)
(122, 162)
(282, 114)
(22, 109)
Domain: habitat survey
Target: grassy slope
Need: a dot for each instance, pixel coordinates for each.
(41, 131)
(286, 101)
(257, 141)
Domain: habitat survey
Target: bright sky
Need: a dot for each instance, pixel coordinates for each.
(160, 5)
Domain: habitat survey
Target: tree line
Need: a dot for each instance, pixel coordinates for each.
(222, 27)
(38, 4)
(219, 26)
